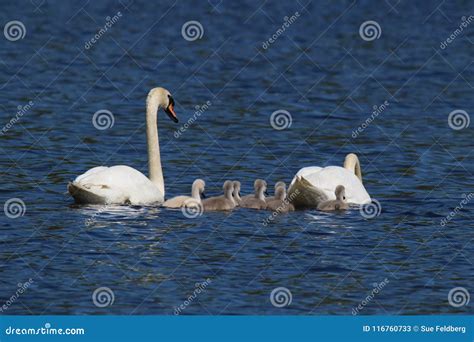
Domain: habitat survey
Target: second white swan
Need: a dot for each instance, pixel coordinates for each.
(313, 185)
(122, 184)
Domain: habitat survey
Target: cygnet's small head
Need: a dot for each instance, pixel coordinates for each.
(197, 190)
(280, 193)
(228, 187)
(163, 98)
(236, 188)
(260, 186)
(200, 184)
(340, 193)
(259, 183)
(279, 184)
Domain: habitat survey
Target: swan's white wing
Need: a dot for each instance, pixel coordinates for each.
(90, 172)
(316, 184)
(118, 184)
(305, 171)
(330, 177)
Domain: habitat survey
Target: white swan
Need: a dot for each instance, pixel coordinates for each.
(122, 184)
(313, 185)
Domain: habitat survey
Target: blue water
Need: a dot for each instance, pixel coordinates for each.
(322, 72)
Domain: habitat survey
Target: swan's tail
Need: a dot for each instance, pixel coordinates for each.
(302, 194)
(82, 195)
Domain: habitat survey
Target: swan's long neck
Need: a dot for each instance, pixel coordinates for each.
(195, 193)
(352, 163)
(228, 195)
(261, 194)
(154, 159)
(237, 195)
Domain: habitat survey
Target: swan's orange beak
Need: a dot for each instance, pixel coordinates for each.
(170, 110)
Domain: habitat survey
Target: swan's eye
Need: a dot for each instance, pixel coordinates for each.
(170, 100)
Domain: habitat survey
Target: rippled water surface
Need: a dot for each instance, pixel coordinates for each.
(322, 72)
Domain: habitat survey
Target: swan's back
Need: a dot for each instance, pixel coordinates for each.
(330, 177)
(305, 171)
(116, 184)
(252, 203)
(217, 204)
(179, 201)
(280, 206)
(322, 182)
